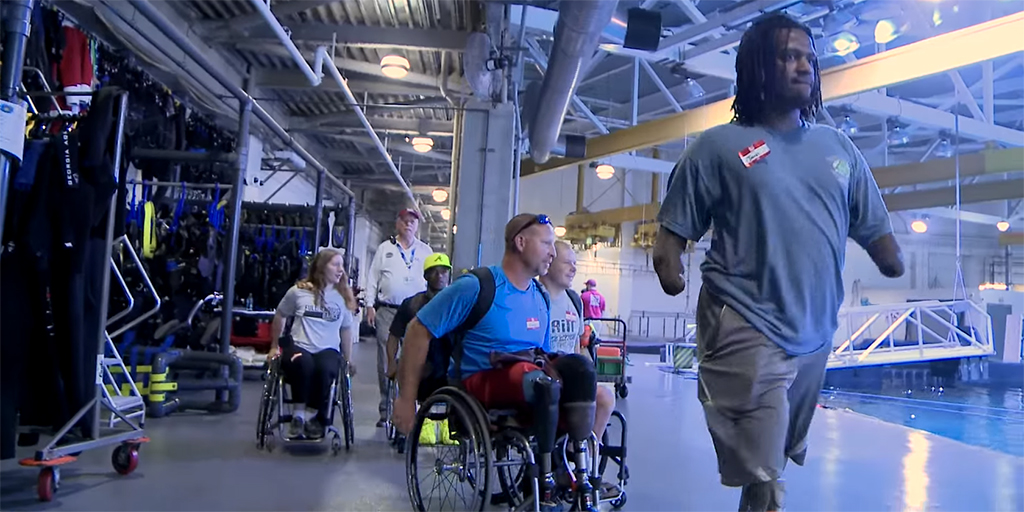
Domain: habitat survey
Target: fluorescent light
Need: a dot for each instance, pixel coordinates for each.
(394, 66)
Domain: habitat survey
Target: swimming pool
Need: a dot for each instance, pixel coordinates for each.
(986, 416)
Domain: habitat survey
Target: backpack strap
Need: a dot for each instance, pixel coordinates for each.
(484, 300)
(576, 301)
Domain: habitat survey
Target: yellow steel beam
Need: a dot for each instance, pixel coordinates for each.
(944, 169)
(946, 196)
(932, 198)
(931, 56)
(1011, 239)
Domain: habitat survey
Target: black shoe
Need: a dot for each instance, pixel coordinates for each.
(381, 423)
(314, 429)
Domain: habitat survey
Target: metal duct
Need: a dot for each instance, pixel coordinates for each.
(577, 33)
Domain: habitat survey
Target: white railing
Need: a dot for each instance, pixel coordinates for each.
(911, 332)
(680, 327)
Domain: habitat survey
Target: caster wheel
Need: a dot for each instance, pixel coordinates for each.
(619, 501)
(622, 391)
(270, 442)
(125, 459)
(335, 444)
(47, 483)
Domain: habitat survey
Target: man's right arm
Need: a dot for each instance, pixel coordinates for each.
(685, 214)
(442, 315)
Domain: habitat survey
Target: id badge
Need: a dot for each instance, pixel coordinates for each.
(755, 153)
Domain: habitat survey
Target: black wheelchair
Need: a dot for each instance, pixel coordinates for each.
(465, 444)
(273, 417)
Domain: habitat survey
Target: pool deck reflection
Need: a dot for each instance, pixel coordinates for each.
(856, 463)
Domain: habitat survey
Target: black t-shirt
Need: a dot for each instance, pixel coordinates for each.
(406, 312)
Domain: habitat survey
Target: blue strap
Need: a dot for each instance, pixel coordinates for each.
(179, 209)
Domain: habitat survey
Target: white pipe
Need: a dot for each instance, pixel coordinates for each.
(321, 59)
(264, 9)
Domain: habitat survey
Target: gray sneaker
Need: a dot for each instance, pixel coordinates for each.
(314, 430)
(296, 428)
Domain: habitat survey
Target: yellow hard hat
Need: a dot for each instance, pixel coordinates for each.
(438, 259)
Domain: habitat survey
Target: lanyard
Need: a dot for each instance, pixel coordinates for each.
(412, 256)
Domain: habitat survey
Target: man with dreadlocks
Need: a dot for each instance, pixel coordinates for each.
(783, 195)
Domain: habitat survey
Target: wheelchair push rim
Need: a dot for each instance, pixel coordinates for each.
(456, 433)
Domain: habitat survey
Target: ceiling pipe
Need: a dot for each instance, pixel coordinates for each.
(263, 8)
(577, 32)
(324, 60)
(147, 10)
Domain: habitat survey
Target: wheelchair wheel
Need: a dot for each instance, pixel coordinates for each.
(266, 420)
(346, 409)
(511, 460)
(447, 452)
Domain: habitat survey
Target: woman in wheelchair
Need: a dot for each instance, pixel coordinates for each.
(313, 321)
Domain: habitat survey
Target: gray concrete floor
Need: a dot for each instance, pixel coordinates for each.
(203, 462)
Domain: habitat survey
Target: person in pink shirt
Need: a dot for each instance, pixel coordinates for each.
(593, 301)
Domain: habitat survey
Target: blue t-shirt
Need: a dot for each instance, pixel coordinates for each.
(517, 320)
(780, 226)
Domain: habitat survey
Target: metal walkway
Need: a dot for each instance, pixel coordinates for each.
(911, 332)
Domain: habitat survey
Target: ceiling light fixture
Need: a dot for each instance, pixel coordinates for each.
(422, 144)
(440, 195)
(886, 31)
(605, 171)
(897, 136)
(843, 43)
(919, 226)
(394, 66)
(943, 149)
(446, 214)
(1002, 226)
(560, 231)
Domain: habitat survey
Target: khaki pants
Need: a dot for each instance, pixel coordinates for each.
(382, 324)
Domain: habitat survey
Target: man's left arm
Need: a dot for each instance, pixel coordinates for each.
(870, 226)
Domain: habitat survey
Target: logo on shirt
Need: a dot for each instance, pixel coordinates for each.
(389, 255)
(330, 312)
(840, 167)
(532, 324)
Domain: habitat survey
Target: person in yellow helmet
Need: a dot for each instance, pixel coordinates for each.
(437, 269)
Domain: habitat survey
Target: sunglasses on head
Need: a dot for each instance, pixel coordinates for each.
(540, 219)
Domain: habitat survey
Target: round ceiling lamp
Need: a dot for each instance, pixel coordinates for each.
(559, 231)
(446, 214)
(1002, 226)
(919, 226)
(605, 171)
(394, 66)
(422, 144)
(439, 195)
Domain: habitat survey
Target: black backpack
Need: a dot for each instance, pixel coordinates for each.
(442, 350)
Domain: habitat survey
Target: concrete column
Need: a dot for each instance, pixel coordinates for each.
(483, 202)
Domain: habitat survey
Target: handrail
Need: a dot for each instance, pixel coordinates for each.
(123, 240)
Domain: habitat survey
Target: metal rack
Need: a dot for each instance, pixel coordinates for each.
(125, 412)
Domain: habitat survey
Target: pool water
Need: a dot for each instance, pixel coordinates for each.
(988, 416)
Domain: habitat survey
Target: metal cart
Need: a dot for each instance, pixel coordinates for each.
(122, 407)
(611, 363)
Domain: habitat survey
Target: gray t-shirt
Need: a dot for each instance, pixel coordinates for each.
(316, 328)
(566, 324)
(780, 225)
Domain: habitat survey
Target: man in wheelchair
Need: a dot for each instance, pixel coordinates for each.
(502, 355)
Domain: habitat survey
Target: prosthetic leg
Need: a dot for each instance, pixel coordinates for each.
(578, 407)
(546, 394)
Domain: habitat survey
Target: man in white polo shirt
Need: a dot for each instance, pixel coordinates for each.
(396, 274)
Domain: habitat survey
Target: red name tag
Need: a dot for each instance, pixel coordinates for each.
(753, 154)
(532, 323)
